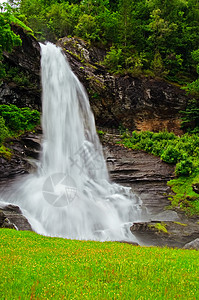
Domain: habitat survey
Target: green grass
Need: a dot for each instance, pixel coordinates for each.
(38, 267)
(185, 198)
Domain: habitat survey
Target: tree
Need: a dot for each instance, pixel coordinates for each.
(8, 39)
(190, 119)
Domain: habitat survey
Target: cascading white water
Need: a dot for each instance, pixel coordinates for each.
(71, 195)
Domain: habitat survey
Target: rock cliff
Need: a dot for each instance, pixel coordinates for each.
(135, 103)
(21, 86)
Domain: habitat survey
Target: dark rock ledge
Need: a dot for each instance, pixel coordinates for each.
(166, 233)
(25, 150)
(12, 217)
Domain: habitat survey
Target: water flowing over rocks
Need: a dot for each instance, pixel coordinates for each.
(136, 103)
(147, 176)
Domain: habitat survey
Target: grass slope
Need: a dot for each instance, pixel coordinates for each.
(38, 267)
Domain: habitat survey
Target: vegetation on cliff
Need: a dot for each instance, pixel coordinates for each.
(182, 151)
(8, 39)
(13, 122)
(152, 37)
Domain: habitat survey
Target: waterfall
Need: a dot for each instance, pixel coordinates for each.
(71, 194)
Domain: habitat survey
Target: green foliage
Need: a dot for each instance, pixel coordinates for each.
(100, 133)
(161, 227)
(190, 118)
(19, 119)
(157, 65)
(87, 28)
(38, 267)
(172, 149)
(114, 59)
(171, 154)
(18, 76)
(5, 152)
(184, 167)
(13, 122)
(4, 133)
(185, 198)
(150, 37)
(8, 39)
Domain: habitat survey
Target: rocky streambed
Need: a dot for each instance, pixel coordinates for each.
(146, 174)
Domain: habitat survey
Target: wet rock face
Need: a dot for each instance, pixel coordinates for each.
(11, 217)
(23, 87)
(136, 103)
(25, 150)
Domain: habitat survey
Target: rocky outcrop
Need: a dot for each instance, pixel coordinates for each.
(146, 174)
(168, 233)
(135, 103)
(21, 86)
(11, 217)
(192, 245)
(25, 150)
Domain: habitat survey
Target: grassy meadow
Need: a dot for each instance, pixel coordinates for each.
(37, 267)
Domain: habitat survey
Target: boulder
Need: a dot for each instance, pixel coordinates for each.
(192, 245)
(167, 233)
(12, 217)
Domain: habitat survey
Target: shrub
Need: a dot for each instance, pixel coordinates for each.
(184, 167)
(4, 133)
(5, 152)
(19, 119)
(171, 155)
